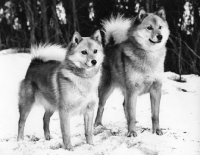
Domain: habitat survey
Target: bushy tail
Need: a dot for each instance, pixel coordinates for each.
(48, 52)
(116, 28)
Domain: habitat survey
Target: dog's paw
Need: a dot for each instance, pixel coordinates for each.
(48, 137)
(34, 138)
(159, 132)
(91, 143)
(89, 140)
(115, 131)
(99, 129)
(67, 145)
(132, 134)
(20, 139)
(69, 149)
(97, 124)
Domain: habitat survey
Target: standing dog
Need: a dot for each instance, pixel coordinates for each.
(63, 79)
(134, 62)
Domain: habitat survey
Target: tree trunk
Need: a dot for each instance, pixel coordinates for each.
(196, 36)
(30, 18)
(56, 23)
(68, 28)
(75, 19)
(179, 58)
(148, 5)
(44, 21)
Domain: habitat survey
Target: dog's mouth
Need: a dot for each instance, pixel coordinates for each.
(154, 42)
(89, 66)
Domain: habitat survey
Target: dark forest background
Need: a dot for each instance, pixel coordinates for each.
(25, 22)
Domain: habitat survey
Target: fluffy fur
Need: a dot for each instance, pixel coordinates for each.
(48, 52)
(116, 28)
(135, 52)
(63, 79)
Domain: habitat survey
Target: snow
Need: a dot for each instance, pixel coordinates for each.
(179, 119)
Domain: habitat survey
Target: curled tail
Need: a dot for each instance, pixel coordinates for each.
(116, 28)
(48, 52)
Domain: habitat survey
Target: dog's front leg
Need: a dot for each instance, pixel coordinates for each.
(65, 128)
(88, 122)
(130, 111)
(155, 96)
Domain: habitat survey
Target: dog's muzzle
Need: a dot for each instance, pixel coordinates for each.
(159, 39)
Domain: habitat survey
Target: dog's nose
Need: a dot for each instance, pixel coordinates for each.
(159, 37)
(93, 62)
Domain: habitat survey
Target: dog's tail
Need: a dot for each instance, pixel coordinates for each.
(48, 52)
(116, 29)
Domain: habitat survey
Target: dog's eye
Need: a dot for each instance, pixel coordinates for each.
(150, 28)
(95, 51)
(84, 52)
(159, 27)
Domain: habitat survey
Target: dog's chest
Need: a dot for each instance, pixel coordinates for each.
(81, 93)
(85, 87)
(146, 74)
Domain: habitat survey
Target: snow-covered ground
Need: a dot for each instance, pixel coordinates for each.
(179, 119)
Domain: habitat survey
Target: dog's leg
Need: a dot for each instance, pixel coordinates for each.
(88, 122)
(104, 93)
(46, 120)
(65, 128)
(24, 111)
(26, 100)
(125, 111)
(130, 112)
(155, 96)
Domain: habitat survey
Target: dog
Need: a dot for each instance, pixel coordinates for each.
(134, 62)
(63, 79)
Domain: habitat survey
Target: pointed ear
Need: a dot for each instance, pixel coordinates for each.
(141, 14)
(97, 36)
(161, 13)
(76, 38)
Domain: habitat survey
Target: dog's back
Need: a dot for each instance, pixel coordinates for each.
(37, 84)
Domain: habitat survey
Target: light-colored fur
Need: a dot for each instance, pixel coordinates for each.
(135, 53)
(142, 36)
(117, 27)
(48, 52)
(63, 79)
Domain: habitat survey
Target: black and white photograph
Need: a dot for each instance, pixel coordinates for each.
(99, 77)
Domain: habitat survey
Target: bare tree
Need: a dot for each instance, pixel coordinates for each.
(44, 21)
(30, 19)
(56, 22)
(75, 18)
(148, 5)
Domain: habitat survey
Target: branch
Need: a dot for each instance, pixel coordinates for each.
(187, 46)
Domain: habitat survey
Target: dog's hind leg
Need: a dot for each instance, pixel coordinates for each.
(155, 96)
(104, 93)
(46, 121)
(26, 100)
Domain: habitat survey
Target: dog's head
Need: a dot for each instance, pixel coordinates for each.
(86, 52)
(150, 29)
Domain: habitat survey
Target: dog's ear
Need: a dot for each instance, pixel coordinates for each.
(141, 14)
(76, 38)
(97, 36)
(161, 13)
